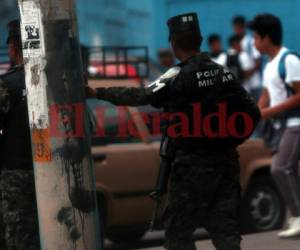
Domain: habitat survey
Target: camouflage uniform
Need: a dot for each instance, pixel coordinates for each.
(3, 110)
(19, 210)
(2, 239)
(204, 192)
(17, 180)
(204, 183)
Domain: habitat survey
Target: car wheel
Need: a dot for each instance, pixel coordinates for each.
(126, 236)
(263, 208)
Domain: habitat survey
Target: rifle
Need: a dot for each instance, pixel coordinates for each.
(166, 157)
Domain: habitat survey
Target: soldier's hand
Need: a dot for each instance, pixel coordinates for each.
(90, 92)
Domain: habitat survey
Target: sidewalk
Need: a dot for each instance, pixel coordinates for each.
(262, 241)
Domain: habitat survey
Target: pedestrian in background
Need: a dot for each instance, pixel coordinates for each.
(235, 60)
(166, 59)
(19, 209)
(216, 52)
(252, 82)
(239, 61)
(280, 101)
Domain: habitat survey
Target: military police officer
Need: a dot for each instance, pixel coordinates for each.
(17, 181)
(204, 185)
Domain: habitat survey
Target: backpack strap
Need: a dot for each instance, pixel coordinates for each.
(249, 48)
(282, 70)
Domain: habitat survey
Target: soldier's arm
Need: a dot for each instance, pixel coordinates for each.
(125, 96)
(156, 93)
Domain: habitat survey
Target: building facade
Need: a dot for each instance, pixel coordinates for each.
(8, 11)
(143, 22)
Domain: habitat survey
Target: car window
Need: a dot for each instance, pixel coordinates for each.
(109, 130)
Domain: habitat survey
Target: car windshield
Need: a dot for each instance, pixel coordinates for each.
(105, 122)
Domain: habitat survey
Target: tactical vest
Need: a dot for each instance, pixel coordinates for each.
(209, 84)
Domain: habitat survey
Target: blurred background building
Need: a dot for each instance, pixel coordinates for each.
(143, 22)
(8, 11)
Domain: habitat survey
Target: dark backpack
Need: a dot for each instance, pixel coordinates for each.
(233, 63)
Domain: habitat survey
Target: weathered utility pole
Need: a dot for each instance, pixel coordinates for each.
(64, 175)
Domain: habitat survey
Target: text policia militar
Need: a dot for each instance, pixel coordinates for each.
(70, 118)
(209, 77)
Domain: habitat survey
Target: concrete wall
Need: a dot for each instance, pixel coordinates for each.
(117, 22)
(142, 22)
(8, 11)
(216, 15)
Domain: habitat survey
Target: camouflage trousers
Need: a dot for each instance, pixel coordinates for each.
(19, 212)
(2, 240)
(204, 192)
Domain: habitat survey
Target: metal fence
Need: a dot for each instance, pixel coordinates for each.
(109, 62)
(4, 61)
(3, 54)
(106, 62)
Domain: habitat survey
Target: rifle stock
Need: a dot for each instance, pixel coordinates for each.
(166, 158)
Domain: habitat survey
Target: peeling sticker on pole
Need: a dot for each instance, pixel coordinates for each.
(35, 63)
(36, 85)
(31, 28)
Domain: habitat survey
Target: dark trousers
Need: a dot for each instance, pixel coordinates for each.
(285, 169)
(2, 230)
(19, 210)
(204, 192)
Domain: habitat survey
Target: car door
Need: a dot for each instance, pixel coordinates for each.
(131, 166)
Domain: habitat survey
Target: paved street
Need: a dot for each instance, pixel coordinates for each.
(262, 241)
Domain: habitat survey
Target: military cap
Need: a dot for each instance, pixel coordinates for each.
(13, 28)
(183, 23)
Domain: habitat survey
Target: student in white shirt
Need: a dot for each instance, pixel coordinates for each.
(281, 96)
(216, 51)
(244, 63)
(252, 82)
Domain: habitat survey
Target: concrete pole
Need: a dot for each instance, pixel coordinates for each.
(64, 175)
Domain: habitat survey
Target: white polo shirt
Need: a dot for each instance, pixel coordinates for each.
(247, 44)
(274, 84)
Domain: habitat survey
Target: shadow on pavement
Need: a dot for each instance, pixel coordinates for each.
(155, 239)
(138, 245)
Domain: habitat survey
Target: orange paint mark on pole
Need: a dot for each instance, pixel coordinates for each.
(41, 145)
